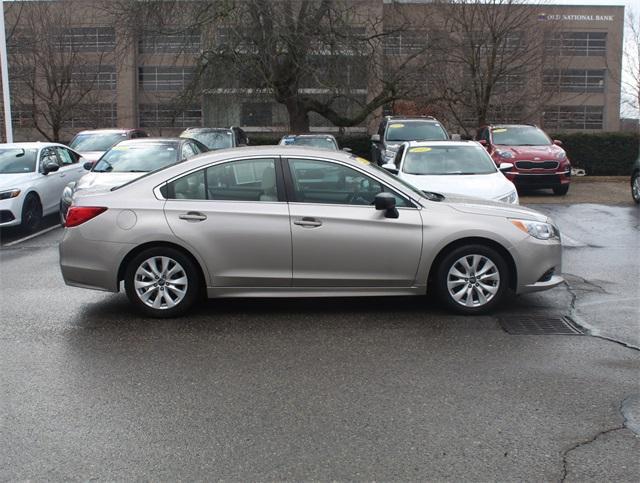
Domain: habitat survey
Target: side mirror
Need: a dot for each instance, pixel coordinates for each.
(348, 150)
(88, 165)
(375, 138)
(504, 167)
(392, 168)
(50, 167)
(386, 202)
(557, 142)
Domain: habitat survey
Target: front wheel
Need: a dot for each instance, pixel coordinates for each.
(162, 282)
(472, 279)
(561, 190)
(635, 187)
(31, 213)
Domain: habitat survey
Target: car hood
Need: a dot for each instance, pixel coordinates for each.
(488, 186)
(546, 152)
(476, 206)
(92, 155)
(97, 181)
(11, 181)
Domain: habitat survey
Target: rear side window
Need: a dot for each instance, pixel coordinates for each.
(245, 180)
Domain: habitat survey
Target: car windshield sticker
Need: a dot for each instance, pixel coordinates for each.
(395, 126)
(419, 150)
(120, 148)
(362, 160)
(499, 130)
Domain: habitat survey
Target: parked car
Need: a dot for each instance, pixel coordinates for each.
(538, 162)
(94, 143)
(323, 141)
(32, 177)
(217, 137)
(129, 160)
(262, 222)
(455, 167)
(395, 130)
(635, 181)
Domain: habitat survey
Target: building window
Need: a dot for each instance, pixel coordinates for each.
(574, 117)
(509, 82)
(404, 42)
(576, 80)
(88, 39)
(167, 115)
(159, 78)
(21, 116)
(584, 44)
(256, 114)
(103, 76)
(187, 41)
(92, 116)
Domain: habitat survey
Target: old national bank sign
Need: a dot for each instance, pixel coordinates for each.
(576, 18)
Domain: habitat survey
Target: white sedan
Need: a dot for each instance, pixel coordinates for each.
(455, 167)
(32, 177)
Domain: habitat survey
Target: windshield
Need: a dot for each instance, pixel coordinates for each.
(211, 139)
(383, 173)
(442, 160)
(96, 141)
(137, 159)
(316, 142)
(15, 161)
(520, 136)
(415, 131)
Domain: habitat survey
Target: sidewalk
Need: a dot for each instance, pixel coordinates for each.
(586, 189)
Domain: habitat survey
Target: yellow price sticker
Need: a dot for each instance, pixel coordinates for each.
(395, 126)
(499, 130)
(362, 160)
(120, 148)
(419, 150)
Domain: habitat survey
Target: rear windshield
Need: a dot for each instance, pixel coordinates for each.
(520, 136)
(16, 161)
(211, 139)
(140, 158)
(96, 141)
(415, 131)
(443, 160)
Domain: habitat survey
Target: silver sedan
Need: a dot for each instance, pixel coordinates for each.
(279, 221)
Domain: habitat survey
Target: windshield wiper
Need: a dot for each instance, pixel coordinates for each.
(135, 171)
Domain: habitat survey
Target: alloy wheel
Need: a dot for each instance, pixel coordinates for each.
(635, 188)
(161, 282)
(473, 280)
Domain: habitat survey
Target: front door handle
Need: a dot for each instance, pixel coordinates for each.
(308, 222)
(193, 216)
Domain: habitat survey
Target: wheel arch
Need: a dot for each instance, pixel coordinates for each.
(476, 240)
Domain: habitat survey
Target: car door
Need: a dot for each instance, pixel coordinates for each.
(235, 216)
(52, 184)
(339, 238)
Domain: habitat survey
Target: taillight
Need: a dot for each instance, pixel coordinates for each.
(77, 215)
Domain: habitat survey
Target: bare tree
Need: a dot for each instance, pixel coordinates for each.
(496, 53)
(631, 64)
(55, 73)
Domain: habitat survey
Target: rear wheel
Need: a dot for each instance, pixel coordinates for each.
(561, 190)
(31, 213)
(635, 187)
(162, 282)
(472, 279)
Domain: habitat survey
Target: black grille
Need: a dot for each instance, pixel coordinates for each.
(539, 325)
(543, 180)
(6, 216)
(537, 164)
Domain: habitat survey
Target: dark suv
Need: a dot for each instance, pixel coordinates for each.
(395, 130)
(537, 160)
(217, 137)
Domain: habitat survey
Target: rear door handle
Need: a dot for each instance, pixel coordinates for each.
(193, 216)
(308, 222)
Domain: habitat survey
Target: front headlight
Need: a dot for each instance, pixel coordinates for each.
(561, 155)
(504, 154)
(67, 192)
(510, 198)
(537, 229)
(5, 195)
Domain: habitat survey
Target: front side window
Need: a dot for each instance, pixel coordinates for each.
(519, 136)
(187, 151)
(332, 183)
(66, 156)
(17, 161)
(140, 158)
(245, 180)
(401, 131)
(212, 139)
(451, 160)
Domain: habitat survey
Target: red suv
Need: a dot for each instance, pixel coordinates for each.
(538, 161)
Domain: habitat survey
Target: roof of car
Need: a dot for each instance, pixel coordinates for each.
(411, 118)
(310, 135)
(108, 130)
(129, 142)
(442, 143)
(510, 125)
(204, 129)
(31, 145)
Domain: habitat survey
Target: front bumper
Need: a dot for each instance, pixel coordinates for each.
(539, 180)
(539, 264)
(11, 211)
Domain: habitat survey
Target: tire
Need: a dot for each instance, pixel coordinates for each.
(467, 261)
(31, 213)
(635, 187)
(63, 214)
(156, 295)
(561, 190)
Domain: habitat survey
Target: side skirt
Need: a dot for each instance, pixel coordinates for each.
(268, 292)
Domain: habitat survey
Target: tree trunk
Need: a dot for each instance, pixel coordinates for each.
(298, 116)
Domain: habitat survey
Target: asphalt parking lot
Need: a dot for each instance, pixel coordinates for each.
(338, 389)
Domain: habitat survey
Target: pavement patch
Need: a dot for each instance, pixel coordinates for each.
(538, 324)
